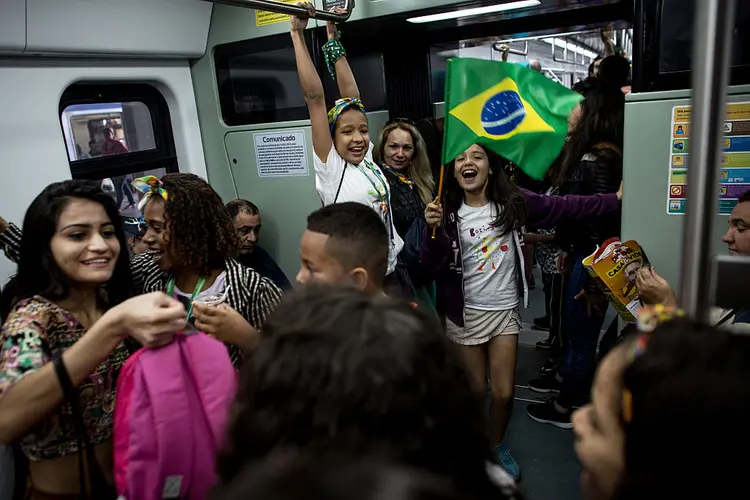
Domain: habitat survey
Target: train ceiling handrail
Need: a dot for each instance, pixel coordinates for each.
(289, 9)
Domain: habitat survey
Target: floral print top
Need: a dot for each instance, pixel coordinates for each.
(33, 329)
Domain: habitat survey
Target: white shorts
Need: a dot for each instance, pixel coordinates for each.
(482, 326)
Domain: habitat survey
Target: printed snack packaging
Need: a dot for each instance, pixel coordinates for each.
(614, 266)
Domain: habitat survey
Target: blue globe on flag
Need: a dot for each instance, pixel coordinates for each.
(502, 113)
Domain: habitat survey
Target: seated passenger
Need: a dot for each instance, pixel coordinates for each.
(345, 244)
(63, 340)
(246, 220)
(653, 289)
(339, 371)
(191, 243)
(659, 404)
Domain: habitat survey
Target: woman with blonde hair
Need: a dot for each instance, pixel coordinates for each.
(402, 154)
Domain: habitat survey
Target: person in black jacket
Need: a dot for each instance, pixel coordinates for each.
(402, 155)
(592, 163)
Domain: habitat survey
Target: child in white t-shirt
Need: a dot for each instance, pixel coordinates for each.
(344, 168)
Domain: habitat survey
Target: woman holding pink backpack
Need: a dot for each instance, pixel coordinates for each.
(63, 344)
(191, 248)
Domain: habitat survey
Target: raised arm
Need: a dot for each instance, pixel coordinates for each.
(29, 387)
(312, 89)
(545, 212)
(344, 75)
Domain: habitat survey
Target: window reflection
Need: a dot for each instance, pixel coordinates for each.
(107, 129)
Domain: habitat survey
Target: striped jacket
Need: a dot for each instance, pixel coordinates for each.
(251, 295)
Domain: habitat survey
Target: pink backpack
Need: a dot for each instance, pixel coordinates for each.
(170, 418)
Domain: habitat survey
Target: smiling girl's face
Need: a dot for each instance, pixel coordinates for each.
(472, 169)
(85, 246)
(352, 137)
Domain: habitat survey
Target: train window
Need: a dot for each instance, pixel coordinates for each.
(106, 129)
(115, 133)
(370, 74)
(258, 82)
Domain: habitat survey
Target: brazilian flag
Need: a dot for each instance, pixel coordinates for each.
(515, 111)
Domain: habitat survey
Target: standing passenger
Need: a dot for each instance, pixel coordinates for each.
(344, 168)
(67, 330)
(477, 260)
(592, 163)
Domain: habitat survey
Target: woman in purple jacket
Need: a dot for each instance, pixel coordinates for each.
(477, 262)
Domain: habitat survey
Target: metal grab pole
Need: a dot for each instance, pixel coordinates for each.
(289, 9)
(712, 47)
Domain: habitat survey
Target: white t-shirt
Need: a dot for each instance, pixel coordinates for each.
(489, 261)
(217, 288)
(363, 183)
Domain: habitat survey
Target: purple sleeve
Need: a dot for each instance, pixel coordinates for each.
(545, 212)
(434, 253)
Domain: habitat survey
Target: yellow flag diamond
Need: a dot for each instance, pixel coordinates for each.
(506, 113)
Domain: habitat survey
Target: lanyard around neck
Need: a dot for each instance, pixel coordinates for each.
(376, 172)
(196, 291)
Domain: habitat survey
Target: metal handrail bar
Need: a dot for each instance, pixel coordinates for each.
(289, 9)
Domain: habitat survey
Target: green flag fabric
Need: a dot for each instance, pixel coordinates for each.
(518, 113)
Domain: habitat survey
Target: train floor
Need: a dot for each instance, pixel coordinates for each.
(549, 467)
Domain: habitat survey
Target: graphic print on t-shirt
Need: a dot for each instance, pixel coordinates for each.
(488, 248)
(488, 252)
(489, 260)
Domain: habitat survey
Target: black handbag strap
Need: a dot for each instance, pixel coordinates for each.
(341, 181)
(96, 487)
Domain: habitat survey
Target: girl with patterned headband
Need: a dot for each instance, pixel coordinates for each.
(667, 403)
(344, 168)
(401, 154)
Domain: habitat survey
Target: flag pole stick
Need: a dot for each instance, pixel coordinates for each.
(440, 192)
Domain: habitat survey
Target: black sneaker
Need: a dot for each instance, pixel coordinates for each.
(545, 413)
(544, 344)
(550, 366)
(545, 385)
(541, 323)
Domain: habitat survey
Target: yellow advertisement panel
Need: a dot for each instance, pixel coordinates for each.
(264, 18)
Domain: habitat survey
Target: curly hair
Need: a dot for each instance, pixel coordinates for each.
(201, 234)
(339, 371)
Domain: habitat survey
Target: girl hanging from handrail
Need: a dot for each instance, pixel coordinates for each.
(344, 167)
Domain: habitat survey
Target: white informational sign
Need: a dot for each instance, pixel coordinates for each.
(281, 154)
